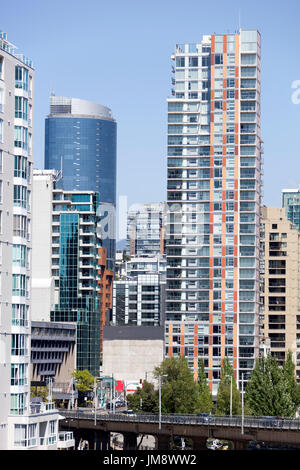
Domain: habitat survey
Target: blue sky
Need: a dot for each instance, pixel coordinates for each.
(118, 54)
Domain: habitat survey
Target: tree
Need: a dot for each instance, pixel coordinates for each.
(205, 397)
(84, 380)
(224, 391)
(180, 393)
(270, 390)
(289, 373)
(40, 392)
(144, 399)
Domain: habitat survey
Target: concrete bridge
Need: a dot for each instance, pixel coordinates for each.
(238, 431)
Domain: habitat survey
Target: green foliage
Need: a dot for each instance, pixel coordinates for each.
(40, 392)
(180, 392)
(272, 390)
(84, 380)
(205, 397)
(224, 391)
(144, 399)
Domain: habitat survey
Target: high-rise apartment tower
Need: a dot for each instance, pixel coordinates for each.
(214, 188)
(22, 425)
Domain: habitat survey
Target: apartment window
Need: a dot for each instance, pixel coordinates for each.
(19, 287)
(18, 374)
(20, 255)
(17, 403)
(20, 168)
(180, 61)
(20, 226)
(18, 345)
(21, 137)
(1, 130)
(20, 196)
(218, 59)
(193, 61)
(20, 435)
(19, 314)
(1, 100)
(21, 78)
(21, 107)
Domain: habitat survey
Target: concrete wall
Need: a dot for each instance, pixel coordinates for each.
(42, 281)
(132, 353)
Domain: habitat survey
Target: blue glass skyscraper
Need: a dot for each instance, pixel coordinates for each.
(80, 140)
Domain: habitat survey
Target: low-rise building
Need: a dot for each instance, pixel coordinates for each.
(131, 353)
(53, 359)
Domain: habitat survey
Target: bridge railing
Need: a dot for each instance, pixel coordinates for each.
(234, 421)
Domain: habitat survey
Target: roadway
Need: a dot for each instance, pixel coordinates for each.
(235, 429)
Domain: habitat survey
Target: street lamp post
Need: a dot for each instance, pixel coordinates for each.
(159, 400)
(230, 393)
(113, 388)
(95, 400)
(242, 430)
(231, 396)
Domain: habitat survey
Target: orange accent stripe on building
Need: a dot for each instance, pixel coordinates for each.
(213, 42)
(224, 43)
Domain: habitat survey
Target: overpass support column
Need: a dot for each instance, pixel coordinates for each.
(239, 445)
(162, 442)
(199, 443)
(101, 440)
(130, 441)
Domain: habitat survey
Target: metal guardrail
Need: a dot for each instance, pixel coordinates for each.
(192, 420)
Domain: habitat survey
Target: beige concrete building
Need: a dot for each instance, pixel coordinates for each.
(280, 313)
(131, 353)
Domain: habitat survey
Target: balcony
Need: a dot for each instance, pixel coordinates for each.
(41, 407)
(65, 440)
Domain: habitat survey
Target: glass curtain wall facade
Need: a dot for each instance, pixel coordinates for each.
(291, 205)
(146, 230)
(214, 187)
(80, 140)
(75, 244)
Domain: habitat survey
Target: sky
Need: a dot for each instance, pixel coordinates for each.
(118, 54)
